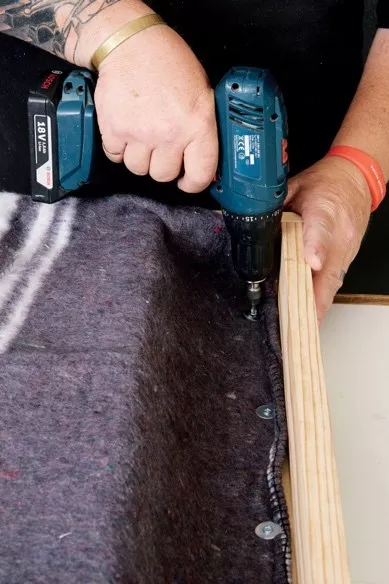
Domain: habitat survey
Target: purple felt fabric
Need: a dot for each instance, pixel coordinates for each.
(131, 450)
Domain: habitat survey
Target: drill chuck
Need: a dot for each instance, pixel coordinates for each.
(252, 243)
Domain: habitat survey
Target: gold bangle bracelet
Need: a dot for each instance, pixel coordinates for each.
(122, 35)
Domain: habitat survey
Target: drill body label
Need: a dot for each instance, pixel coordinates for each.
(247, 153)
(43, 151)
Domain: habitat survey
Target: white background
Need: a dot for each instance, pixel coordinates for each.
(355, 348)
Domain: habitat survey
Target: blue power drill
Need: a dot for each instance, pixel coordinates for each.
(251, 185)
(252, 176)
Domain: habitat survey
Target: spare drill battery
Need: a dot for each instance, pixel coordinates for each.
(62, 127)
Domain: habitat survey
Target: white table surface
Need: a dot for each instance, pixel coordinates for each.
(355, 348)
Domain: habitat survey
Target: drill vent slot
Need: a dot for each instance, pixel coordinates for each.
(246, 114)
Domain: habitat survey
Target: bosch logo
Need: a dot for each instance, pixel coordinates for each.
(49, 80)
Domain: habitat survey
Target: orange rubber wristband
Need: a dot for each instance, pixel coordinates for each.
(369, 168)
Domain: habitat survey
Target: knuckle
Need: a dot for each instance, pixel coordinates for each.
(205, 122)
(106, 141)
(203, 178)
(204, 109)
(333, 281)
(112, 143)
(168, 132)
(112, 128)
(349, 235)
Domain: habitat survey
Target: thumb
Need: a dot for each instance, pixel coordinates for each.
(317, 235)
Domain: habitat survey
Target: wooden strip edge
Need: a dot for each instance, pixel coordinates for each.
(289, 217)
(320, 553)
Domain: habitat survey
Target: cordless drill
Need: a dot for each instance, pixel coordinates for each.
(251, 182)
(251, 185)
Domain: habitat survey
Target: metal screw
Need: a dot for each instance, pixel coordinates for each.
(268, 530)
(266, 412)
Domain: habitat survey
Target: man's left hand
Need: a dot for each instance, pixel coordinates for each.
(334, 201)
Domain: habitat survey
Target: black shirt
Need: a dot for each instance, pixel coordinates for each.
(313, 47)
(383, 13)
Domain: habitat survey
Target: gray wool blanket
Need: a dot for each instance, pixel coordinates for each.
(131, 449)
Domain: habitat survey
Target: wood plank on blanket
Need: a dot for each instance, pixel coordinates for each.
(320, 552)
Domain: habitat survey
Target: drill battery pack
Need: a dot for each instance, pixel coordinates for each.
(62, 127)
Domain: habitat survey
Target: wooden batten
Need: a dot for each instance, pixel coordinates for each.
(319, 542)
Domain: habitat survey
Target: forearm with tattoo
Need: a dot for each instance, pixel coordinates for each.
(50, 24)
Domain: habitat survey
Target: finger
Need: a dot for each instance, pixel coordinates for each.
(137, 158)
(319, 226)
(166, 163)
(325, 285)
(329, 280)
(200, 162)
(114, 150)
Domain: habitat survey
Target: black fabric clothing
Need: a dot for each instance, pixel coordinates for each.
(383, 14)
(313, 48)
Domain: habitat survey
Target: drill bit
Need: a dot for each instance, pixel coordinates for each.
(254, 296)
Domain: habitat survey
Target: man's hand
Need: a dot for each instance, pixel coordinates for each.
(154, 104)
(334, 201)
(332, 196)
(156, 110)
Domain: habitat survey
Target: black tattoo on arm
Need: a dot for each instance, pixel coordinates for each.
(49, 24)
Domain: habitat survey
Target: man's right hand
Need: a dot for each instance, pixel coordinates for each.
(156, 110)
(154, 104)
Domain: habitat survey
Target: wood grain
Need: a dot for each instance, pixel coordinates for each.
(289, 217)
(320, 552)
